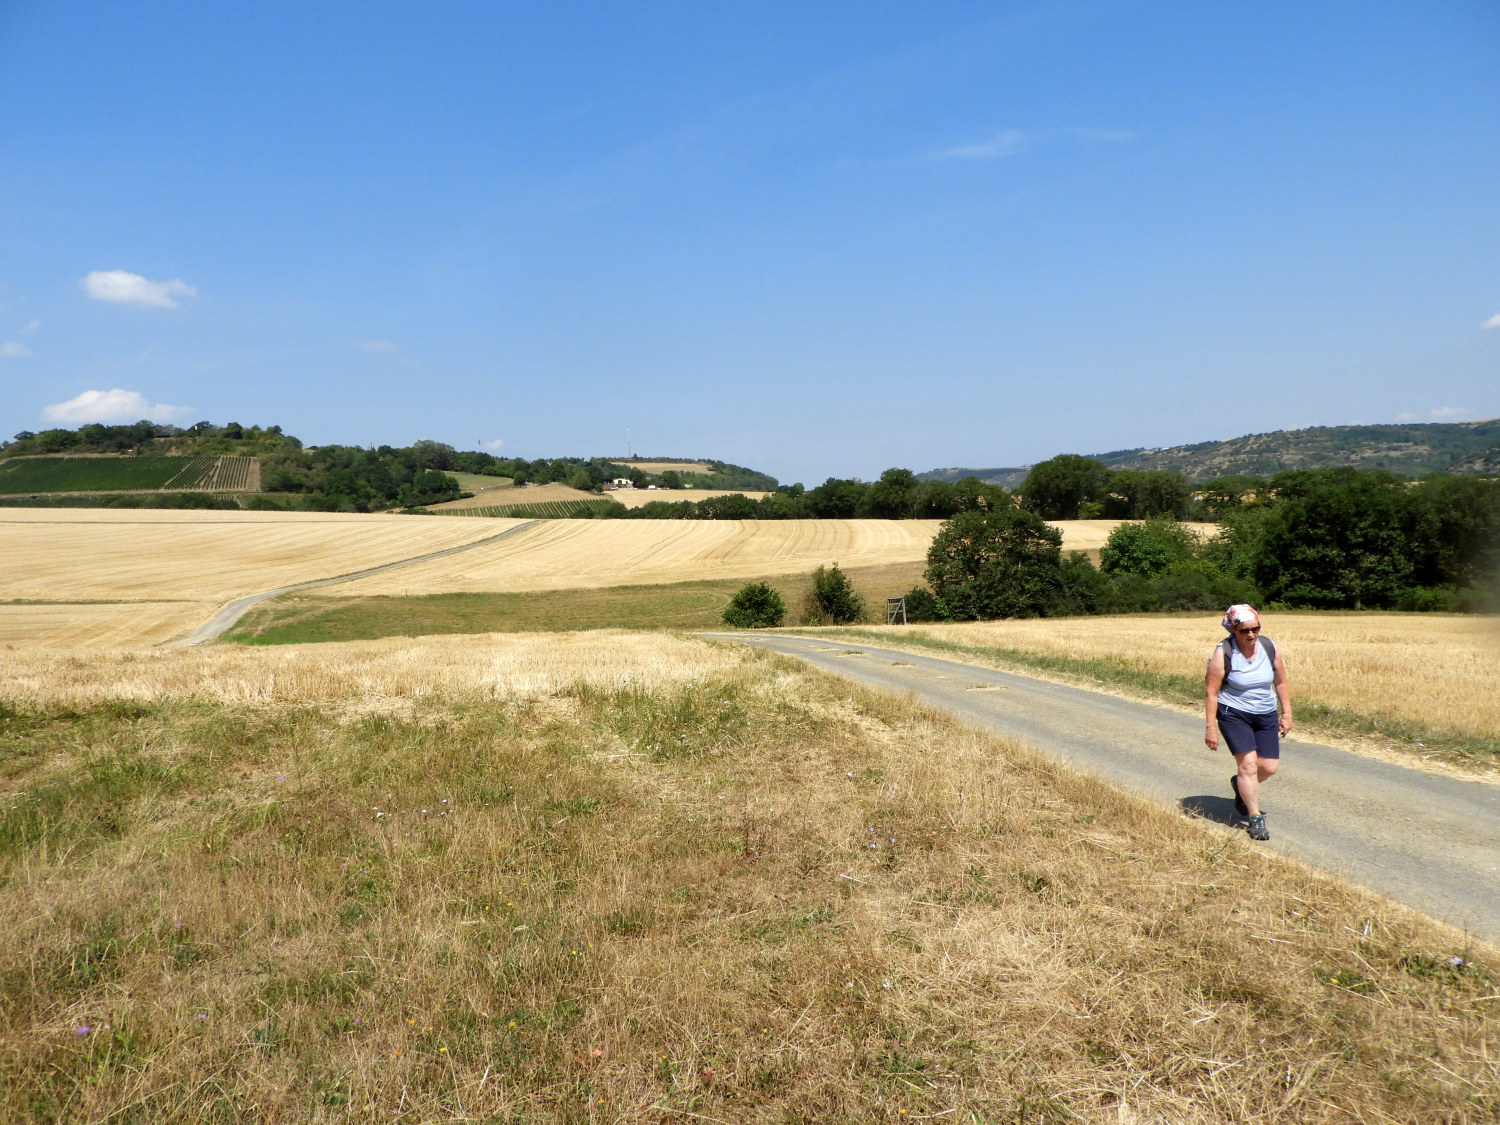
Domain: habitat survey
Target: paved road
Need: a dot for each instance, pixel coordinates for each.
(1423, 839)
(221, 622)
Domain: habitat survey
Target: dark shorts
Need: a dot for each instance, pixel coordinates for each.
(1244, 732)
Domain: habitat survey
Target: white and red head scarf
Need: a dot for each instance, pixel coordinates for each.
(1239, 615)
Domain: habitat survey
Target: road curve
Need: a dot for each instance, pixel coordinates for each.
(1423, 839)
(221, 622)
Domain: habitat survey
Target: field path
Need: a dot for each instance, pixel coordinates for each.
(1423, 839)
(224, 620)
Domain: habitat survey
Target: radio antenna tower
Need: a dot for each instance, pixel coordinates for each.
(629, 449)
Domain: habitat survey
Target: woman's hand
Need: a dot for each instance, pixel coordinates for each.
(1285, 725)
(1211, 737)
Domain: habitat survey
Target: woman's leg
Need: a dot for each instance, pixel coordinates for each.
(1249, 773)
(1267, 747)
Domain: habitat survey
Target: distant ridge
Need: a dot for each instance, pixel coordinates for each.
(1407, 449)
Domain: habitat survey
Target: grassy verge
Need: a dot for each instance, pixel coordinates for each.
(1313, 717)
(298, 619)
(745, 893)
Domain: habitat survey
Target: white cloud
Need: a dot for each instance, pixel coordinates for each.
(1436, 414)
(1007, 142)
(496, 444)
(29, 327)
(111, 406)
(122, 288)
(12, 348)
(1493, 322)
(377, 346)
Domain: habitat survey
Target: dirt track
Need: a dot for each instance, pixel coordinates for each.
(1426, 840)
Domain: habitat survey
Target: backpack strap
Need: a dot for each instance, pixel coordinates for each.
(1227, 644)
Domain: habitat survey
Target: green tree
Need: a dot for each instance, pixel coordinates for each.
(832, 600)
(890, 496)
(987, 564)
(1224, 495)
(1140, 495)
(922, 606)
(1147, 548)
(756, 606)
(1342, 540)
(735, 506)
(1068, 487)
(1458, 530)
(1081, 588)
(837, 499)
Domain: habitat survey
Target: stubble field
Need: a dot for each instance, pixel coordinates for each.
(563, 554)
(86, 577)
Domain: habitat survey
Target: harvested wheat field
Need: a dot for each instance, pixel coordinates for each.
(1433, 670)
(607, 878)
(65, 625)
(81, 554)
(560, 554)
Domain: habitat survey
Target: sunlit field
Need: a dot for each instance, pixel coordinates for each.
(614, 877)
(560, 554)
(81, 554)
(92, 577)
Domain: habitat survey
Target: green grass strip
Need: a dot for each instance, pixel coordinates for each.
(1170, 687)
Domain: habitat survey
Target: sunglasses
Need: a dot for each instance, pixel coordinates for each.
(1249, 630)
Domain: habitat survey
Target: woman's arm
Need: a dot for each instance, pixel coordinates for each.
(1213, 680)
(1283, 697)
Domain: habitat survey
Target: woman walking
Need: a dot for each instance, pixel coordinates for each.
(1246, 682)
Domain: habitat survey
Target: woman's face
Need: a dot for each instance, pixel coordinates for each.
(1246, 631)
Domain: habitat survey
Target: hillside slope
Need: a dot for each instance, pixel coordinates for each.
(1407, 449)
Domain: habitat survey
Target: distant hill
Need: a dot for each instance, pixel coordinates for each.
(1409, 450)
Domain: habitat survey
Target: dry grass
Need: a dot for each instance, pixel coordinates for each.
(1434, 670)
(640, 497)
(612, 878)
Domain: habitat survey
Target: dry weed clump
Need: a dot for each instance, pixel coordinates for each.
(1435, 670)
(662, 880)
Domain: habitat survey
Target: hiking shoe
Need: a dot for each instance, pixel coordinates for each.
(1257, 827)
(1239, 802)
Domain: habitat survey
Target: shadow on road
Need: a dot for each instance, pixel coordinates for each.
(1220, 809)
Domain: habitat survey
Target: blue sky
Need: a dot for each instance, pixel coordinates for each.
(816, 239)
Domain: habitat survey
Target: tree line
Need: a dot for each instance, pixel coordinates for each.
(1313, 538)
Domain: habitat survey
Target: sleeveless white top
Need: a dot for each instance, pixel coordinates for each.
(1248, 681)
